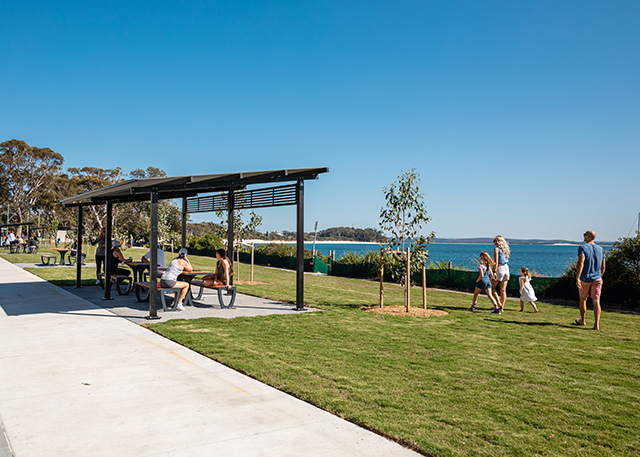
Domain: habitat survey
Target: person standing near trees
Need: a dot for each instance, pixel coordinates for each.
(589, 271)
(100, 252)
(501, 254)
(11, 238)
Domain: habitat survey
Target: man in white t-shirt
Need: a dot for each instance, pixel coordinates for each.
(162, 263)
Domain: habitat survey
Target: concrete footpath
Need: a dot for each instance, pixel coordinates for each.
(78, 380)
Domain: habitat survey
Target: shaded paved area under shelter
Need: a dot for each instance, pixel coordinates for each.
(79, 380)
(128, 307)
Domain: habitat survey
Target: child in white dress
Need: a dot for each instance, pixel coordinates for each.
(527, 293)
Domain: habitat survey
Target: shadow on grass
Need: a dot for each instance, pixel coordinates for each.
(335, 305)
(537, 324)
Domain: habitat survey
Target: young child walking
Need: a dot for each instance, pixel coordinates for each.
(483, 283)
(527, 293)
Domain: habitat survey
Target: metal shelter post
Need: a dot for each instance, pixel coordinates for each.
(230, 206)
(184, 222)
(108, 258)
(79, 249)
(153, 262)
(300, 246)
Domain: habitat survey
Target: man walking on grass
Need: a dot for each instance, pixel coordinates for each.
(589, 273)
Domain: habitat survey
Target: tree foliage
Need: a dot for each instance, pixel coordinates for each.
(351, 234)
(135, 217)
(403, 217)
(623, 262)
(85, 179)
(25, 174)
(208, 241)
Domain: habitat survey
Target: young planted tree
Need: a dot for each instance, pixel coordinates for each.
(241, 230)
(403, 217)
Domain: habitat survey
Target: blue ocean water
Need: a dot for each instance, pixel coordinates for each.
(545, 260)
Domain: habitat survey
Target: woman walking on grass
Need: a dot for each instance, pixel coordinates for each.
(501, 254)
(483, 283)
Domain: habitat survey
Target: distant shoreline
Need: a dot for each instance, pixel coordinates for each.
(441, 241)
(307, 241)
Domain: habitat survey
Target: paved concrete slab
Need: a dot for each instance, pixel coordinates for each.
(78, 380)
(127, 306)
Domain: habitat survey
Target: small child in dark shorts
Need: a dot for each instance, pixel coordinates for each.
(483, 283)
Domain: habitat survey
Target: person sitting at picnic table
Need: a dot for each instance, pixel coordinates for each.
(116, 258)
(162, 262)
(224, 270)
(74, 251)
(170, 277)
(33, 243)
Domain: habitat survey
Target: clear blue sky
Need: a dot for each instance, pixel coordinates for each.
(521, 117)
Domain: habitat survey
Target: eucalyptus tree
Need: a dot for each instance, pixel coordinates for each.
(85, 179)
(136, 216)
(26, 172)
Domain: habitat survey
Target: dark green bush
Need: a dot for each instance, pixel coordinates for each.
(206, 242)
(280, 250)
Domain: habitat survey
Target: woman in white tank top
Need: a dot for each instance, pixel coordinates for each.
(170, 276)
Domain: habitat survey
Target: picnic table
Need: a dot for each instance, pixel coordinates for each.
(188, 277)
(138, 269)
(143, 295)
(62, 253)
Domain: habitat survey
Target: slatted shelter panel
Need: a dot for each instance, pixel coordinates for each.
(248, 199)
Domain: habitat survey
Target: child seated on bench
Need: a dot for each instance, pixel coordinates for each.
(170, 276)
(224, 270)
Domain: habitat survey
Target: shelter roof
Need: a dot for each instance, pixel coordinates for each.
(187, 186)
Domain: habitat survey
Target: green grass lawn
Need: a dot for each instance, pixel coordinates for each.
(470, 384)
(27, 258)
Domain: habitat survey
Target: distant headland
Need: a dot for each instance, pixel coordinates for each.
(359, 235)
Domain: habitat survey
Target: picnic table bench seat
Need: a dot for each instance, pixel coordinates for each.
(47, 258)
(117, 280)
(220, 289)
(73, 258)
(140, 285)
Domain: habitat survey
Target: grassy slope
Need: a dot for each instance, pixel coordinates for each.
(464, 384)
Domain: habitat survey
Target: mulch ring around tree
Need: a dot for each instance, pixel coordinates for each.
(402, 311)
